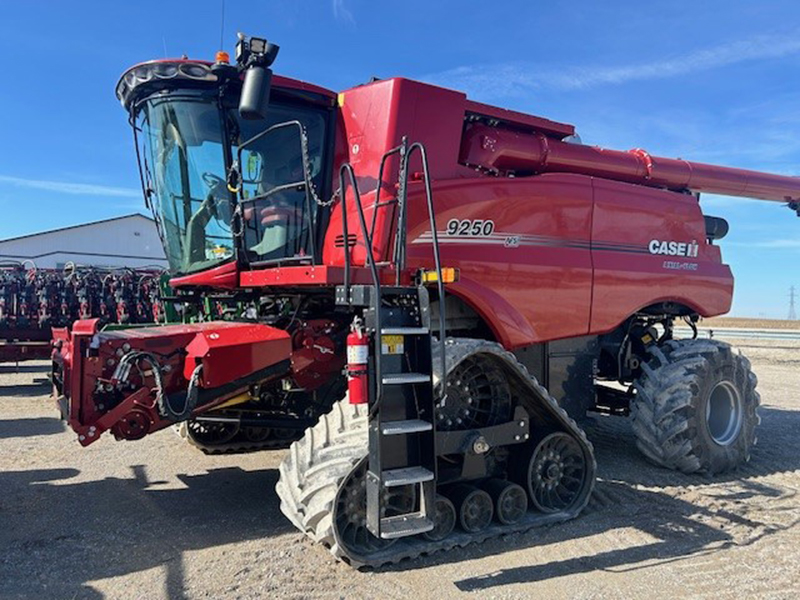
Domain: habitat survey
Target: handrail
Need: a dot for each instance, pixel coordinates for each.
(399, 258)
(402, 230)
(347, 169)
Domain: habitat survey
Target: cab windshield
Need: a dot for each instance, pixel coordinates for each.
(184, 162)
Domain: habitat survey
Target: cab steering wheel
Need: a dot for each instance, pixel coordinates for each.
(212, 180)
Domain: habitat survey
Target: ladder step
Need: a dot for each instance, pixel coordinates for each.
(405, 331)
(406, 378)
(404, 427)
(405, 525)
(406, 476)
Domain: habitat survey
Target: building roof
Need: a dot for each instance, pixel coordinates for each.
(89, 224)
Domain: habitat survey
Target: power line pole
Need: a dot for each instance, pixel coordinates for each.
(792, 312)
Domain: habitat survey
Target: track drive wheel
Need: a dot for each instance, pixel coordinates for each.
(696, 407)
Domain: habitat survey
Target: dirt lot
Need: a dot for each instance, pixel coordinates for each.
(156, 519)
(744, 323)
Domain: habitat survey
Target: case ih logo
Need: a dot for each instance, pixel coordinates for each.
(688, 250)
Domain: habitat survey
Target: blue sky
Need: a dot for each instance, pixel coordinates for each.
(711, 81)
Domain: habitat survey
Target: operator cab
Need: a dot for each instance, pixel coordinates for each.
(224, 185)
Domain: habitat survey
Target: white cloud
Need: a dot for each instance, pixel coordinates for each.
(508, 79)
(81, 189)
(341, 12)
(778, 244)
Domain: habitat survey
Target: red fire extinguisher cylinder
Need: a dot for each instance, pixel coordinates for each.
(357, 369)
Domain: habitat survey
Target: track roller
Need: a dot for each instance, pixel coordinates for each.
(510, 500)
(474, 506)
(256, 434)
(444, 518)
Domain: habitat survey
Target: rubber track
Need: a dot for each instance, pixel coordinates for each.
(234, 447)
(315, 467)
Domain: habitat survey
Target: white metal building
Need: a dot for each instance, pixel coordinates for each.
(127, 241)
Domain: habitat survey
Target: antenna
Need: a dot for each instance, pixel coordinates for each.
(222, 26)
(792, 296)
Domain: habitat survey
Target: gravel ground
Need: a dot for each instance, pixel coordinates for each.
(157, 519)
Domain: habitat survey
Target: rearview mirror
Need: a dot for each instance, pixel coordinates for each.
(255, 93)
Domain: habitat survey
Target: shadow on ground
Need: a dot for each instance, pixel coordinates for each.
(680, 529)
(10, 428)
(39, 387)
(34, 367)
(57, 536)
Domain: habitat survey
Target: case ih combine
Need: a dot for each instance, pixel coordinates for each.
(565, 267)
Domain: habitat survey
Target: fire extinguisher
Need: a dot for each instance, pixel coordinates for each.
(357, 358)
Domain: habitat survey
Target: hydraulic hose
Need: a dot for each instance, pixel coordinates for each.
(165, 407)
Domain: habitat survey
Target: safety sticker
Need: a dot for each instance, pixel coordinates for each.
(392, 344)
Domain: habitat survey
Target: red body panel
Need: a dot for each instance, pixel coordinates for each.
(511, 116)
(319, 275)
(224, 277)
(536, 289)
(628, 277)
(231, 353)
(569, 255)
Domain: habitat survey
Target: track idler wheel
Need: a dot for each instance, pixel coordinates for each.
(556, 474)
(510, 500)
(444, 519)
(475, 507)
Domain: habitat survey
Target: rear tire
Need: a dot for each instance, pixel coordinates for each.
(696, 407)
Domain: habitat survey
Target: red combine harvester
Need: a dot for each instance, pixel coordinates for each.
(429, 419)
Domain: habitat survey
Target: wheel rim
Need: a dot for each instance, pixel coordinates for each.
(556, 473)
(476, 511)
(511, 504)
(724, 413)
(351, 512)
(477, 396)
(210, 432)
